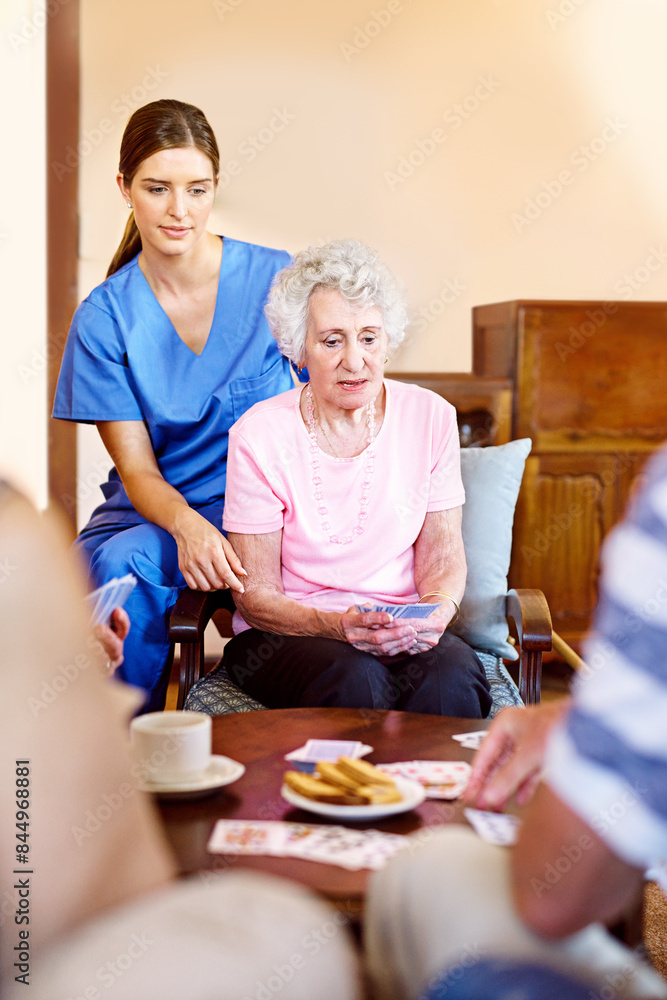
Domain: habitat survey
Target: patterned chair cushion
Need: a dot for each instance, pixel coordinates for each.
(216, 694)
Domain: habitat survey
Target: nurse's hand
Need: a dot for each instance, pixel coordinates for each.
(205, 557)
(376, 632)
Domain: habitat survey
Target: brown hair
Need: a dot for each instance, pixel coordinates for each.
(165, 124)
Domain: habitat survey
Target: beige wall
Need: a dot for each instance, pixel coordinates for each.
(22, 248)
(424, 127)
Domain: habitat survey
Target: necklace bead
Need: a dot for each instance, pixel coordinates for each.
(316, 479)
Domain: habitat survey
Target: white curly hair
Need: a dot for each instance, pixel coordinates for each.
(354, 270)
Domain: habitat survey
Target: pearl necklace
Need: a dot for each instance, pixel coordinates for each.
(315, 465)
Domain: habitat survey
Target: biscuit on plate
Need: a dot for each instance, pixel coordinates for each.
(320, 791)
(363, 772)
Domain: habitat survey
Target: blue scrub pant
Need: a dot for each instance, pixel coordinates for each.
(151, 554)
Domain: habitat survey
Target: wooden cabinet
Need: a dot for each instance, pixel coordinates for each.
(588, 384)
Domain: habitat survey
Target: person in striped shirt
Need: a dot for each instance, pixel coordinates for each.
(592, 770)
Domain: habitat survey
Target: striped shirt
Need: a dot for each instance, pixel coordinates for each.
(607, 760)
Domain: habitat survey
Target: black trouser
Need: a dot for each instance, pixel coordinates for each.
(289, 671)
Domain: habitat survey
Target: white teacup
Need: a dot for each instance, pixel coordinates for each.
(170, 748)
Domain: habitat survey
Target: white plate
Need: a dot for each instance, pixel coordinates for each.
(413, 794)
(220, 771)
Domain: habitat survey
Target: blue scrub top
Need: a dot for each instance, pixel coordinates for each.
(124, 361)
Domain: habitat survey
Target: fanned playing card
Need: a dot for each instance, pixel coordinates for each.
(113, 594)
(331, 845)
(401, 610)
(351, 849)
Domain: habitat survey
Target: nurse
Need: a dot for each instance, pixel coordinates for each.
(163, 357)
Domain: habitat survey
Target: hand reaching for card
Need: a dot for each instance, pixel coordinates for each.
(509, 761)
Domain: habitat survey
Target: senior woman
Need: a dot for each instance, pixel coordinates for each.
(342, 493)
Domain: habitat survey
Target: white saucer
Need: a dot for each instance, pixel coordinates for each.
(220, 771)
(413, 794)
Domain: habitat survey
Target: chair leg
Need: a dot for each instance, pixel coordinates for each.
(192, 656)
(530, 676)
(528, 611)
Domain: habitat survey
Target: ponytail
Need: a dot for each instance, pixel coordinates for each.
(164, 124)
(129, 247)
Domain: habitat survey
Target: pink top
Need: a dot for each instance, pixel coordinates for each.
(269, 487)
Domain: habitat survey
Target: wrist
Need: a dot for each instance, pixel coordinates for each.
(435, 594)
(181, 520)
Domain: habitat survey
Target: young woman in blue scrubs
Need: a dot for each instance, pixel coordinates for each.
(163, 357)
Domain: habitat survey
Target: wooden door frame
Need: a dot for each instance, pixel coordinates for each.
(62, 199)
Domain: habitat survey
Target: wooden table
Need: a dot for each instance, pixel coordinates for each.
(260, 740)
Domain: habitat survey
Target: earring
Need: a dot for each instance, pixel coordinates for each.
(299, 369)
(386, 359)
(129, 204)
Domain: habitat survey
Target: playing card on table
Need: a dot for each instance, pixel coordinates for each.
(401, 610)
(470, 740)
(351, 849)
(331, 845)
(495, 828)
(442, 779)
(330, 750)
(245, 836)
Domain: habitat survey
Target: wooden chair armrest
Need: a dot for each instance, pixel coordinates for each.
(191, 614)
(529, 612)
(187, 622)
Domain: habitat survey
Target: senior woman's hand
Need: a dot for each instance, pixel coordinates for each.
(377, 632)
(428, 631)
